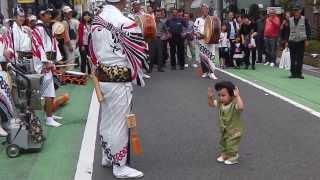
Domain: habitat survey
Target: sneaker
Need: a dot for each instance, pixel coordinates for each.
(186, 65)
(221, 159)
(53, 123)
(267, 63)
(232, 160)
(57, 117)
(272, 64)
(146, 76)
(126, 172)
(212, 76)
(204, 75)
(194, 65)
(3, 132)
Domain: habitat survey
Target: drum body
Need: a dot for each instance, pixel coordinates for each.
(212, 29)
(148, 26)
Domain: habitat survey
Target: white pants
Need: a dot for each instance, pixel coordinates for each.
(113, 125)
(207, 55)
(47, 88)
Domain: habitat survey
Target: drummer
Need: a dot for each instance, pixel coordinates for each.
(207, 65)
(48, 52)
(136, 10)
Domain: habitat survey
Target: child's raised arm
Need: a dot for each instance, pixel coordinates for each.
(211, 101)
(239, 102)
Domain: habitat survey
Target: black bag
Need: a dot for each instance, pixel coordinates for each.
(72, 34)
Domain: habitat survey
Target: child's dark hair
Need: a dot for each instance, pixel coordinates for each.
(225, 84)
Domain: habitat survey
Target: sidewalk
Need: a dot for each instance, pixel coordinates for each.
(58, 158)
(304, 91)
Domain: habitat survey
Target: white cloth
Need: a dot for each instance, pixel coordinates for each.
(48, 86)
(285, 60)
(115, 108)
(21, 39)
(113, 126)
(224, 41)
(2, 48)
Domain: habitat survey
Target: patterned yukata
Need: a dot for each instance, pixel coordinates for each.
(116, 41)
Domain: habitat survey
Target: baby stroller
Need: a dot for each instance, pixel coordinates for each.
(23, 126)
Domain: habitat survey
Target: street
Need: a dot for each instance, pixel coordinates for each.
(179, 134)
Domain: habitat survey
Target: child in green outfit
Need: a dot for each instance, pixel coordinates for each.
(230, 106)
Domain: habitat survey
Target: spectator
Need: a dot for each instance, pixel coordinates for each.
(70, 35)
(84, 32)
(155, 45)
(232, 29)
(271, 34)
(248, 31)
(300, 33)
(74, 26)
(175, 27)
(260, 37)
(224, 45)
(285, 30)
(165, 53)
(238, 52)
(189, 40)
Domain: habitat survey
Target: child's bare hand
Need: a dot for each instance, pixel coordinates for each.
(210, 92)
(236, 92)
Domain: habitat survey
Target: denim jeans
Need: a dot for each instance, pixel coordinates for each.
(271, 49)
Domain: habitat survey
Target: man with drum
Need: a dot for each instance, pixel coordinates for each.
(136, 10)
(45, 49)
(113, 34)
(206, 51)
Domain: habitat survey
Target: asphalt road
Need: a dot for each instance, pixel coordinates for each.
(179, 134)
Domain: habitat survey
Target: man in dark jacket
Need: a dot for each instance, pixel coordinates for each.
(175, 27)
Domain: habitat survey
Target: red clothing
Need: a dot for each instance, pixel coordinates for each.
(272, 27)
(81, 33)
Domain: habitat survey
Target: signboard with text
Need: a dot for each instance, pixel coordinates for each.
(25, 1)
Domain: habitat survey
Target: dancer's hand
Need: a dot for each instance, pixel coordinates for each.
(210, 97)
(210, 92)
(236, 92)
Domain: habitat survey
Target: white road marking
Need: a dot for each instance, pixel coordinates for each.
(270, 92)
(85, 163)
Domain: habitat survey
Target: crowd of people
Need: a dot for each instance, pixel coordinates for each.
(244, 40)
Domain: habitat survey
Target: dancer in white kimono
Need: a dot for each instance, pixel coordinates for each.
(45, 48)
(5, 101)
(118, 48)
(21, 36)
(206, 51)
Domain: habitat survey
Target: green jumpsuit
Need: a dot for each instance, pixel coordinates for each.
(231, 128)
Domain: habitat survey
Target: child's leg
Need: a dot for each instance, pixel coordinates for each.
(222, 144)
(232, 141)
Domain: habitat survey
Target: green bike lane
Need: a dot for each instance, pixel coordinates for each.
(302, 91)
(59, 156)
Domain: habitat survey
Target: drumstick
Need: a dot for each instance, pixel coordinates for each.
(96, 83)
(65, 65)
